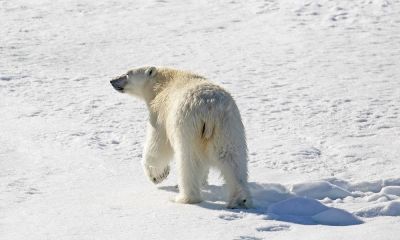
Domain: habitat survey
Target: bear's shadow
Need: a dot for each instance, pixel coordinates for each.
(263, 195)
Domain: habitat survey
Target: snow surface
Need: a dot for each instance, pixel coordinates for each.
(317, 83)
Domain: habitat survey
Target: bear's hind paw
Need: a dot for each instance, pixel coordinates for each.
(187, 200)
(240, 203)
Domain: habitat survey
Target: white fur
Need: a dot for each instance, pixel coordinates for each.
(199, 124)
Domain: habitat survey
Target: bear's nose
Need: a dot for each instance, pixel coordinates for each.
(119, 83)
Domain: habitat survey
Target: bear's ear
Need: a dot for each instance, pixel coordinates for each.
(151, 71)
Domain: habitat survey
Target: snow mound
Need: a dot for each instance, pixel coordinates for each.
(310, 211)
(380, 197)
(336, 217)
(297, 206)
(319, 190)
(265, 194)
(304, 203)
(382, 209)
(391, 190)
(373, 186)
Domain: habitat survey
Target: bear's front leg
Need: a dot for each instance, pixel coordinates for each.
(156, 173)
(156, 157)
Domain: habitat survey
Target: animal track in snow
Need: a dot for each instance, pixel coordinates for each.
(230, 217)
(274, 228)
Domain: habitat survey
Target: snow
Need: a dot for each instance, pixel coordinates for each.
(335, 217)
(391, 208)
(319, 190)
(393, 190)
(298, 207)
(317, 84)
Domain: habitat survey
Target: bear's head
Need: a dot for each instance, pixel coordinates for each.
(136, 82)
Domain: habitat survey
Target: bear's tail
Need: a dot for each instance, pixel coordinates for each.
(207, 130)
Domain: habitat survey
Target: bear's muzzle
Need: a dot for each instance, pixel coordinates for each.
(119, 83)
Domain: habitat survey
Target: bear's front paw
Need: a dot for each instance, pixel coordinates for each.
(157, 175)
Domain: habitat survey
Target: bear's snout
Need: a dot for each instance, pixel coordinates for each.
(119, 83)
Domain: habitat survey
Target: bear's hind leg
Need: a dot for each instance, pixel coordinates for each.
(205, 169)
(189, 176)
(235, 176)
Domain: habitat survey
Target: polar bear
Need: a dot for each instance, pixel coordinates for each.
(194, 121)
